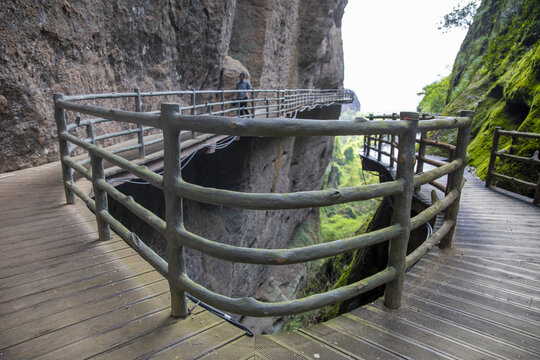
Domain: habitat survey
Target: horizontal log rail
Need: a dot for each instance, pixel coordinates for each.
(174, 123)
(495, 153)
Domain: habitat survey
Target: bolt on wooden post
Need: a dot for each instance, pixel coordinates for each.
(173, 208)
(397, 251)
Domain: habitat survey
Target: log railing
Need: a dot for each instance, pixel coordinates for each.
(495, 153)
(173, 122)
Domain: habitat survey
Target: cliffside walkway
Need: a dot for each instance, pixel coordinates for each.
(64, 294)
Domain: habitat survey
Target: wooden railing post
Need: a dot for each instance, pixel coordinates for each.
(173, 208)
(493, 157)
(90, 133)
(420, 156)
(140, 134)
(67, 172)
(421, 153)
(402, 209)
(455, 179)
(100, 196)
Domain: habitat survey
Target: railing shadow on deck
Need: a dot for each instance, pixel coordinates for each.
(172, 121)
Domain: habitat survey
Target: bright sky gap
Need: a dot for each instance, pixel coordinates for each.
(393, 48)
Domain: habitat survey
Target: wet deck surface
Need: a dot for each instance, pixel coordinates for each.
(66, 295)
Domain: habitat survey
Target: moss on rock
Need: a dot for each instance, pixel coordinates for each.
(496, 73)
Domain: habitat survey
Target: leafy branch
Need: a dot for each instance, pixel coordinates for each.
(461, 16)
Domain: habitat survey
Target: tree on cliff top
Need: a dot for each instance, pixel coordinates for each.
(461, 16)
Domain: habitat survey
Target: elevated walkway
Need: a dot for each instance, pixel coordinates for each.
(66, 295)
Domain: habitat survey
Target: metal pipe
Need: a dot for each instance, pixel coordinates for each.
(140, 136)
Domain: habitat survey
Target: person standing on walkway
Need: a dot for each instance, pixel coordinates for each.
(242, 97)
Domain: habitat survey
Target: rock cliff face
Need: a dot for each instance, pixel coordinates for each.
(496, 73)
(95, 46)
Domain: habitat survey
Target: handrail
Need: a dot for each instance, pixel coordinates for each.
(533, 160)
(173, 121)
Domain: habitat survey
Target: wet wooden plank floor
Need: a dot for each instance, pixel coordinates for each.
(66, 295)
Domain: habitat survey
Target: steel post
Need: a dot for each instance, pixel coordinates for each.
(140, 134)
(402, 209)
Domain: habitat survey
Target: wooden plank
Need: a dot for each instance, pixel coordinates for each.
(57, 292)
(69, 278)
(44, 309)
(242, 348)
(390, 341)
(347, 343)
(472, 270)
(468, 320)
(439, 342)
(204, 343)
(308, 346)
(469, 343)
(75, 324)
(64, 268)
(514, 267)
(187, 339)
(28, 238)
(493, 290)
(511, 317)
(265, 348)
(128, 332)
(100, 248)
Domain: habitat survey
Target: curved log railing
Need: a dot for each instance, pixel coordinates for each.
(496, 153)
(173, 122)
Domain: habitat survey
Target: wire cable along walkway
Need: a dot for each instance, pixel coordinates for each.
(66, 294)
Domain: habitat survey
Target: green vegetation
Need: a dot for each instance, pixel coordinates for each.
(343, 220)
(461, 16)
(434, 99)
(336, 222)
(349, 114)
(496, 74)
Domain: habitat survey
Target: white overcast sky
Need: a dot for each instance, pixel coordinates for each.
(392, 48)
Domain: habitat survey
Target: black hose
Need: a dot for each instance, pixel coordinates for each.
(216, 312)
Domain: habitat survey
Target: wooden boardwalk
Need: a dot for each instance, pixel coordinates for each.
(66, 295)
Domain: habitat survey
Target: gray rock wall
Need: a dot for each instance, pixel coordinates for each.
(93, 46)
